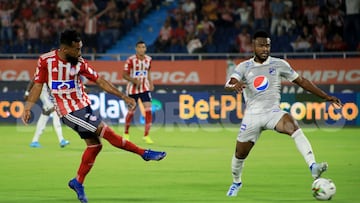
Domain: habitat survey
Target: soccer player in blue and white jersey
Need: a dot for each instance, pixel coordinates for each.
(259, 79)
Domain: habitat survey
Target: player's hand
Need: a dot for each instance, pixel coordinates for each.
(26, 116)
(130, 102)
(151, 88)
(239, 86)
(335, 101)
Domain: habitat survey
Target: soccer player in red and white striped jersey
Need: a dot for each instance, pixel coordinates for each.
(137, 71)
(61, 70)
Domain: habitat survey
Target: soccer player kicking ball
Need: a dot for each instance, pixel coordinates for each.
(61, 70)
(259, 79)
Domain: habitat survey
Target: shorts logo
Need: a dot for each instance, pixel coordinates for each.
(62, 85)
(261, 83)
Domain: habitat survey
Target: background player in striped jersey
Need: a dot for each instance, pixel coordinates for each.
(62, 70)
(137, 71)
(261, 78)
(47, 110)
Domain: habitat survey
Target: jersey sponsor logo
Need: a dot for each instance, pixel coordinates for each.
(261, 83)
(63, 85)
(140, 73)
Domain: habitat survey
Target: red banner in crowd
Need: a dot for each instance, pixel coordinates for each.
(194, 72)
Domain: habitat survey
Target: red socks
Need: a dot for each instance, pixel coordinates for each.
(87, 161)
(118, 141)
(129, 117)
(148, 121)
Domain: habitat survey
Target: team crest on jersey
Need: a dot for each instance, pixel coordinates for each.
(261, 83)
(63, 85)
(272, 71)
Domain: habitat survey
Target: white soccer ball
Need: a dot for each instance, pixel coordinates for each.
(323, 189)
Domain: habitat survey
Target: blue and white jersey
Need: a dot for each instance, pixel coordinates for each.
(263, 82)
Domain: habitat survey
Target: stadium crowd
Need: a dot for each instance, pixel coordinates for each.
(215, 26)
(32, 26)
(195, 26)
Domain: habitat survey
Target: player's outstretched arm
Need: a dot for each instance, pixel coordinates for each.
(311, 87)
(234, 85)
(110, 88)
(31, 99)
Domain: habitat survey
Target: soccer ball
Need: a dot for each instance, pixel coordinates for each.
(323, 189)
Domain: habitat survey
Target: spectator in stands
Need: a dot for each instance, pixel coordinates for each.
(191, 22)
(88, 5)
(287, 24)
(260, 14)
(336, 44)
(303, 42)
(320, 37)
(243, 41)
(188, 6)
(194, 45)
(226, 14)
(163, 40)
(352, 23)
(90, 28)
(179, 32)
(277, 11)
(244, 14)
(311, 12)
(6, 16)
(33, 28)
(64, 6)
(207, 26)
(209, 9)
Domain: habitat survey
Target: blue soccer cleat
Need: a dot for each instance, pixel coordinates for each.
(63, 143)
(153, 155)
(79, 189)
(234, 189)
(35, 145)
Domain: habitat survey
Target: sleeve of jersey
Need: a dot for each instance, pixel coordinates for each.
(288, 72)
(41, 72)
(237, 74)
(127, 66)
(89, 72)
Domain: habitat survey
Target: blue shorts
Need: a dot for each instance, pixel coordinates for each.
(145, 96)
(83, 122)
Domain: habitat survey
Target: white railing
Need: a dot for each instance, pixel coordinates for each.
(202, 56)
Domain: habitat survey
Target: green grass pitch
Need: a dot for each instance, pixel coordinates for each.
(197, 168)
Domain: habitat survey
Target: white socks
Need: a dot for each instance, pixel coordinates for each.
(40, 126)
(236, 168)
(304, 147)
(57, 126)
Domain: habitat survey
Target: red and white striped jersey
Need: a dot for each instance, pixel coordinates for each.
(139, 69)
(64, 81)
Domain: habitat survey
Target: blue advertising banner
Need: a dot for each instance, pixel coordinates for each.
(201, 108)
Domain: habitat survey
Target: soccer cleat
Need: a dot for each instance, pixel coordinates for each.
(127, 137)
(63, 143)
(234, 189)
(79, 189)
(35, 145)
(317, 169)
(153, 155)
(148, 140)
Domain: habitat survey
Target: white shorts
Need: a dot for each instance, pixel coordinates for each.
(254, 123)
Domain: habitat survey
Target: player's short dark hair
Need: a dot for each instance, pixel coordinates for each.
(261, 34)
(140, 42)
(69, 36)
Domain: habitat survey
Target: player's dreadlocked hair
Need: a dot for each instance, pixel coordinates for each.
(69, 36)
(261, 34)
